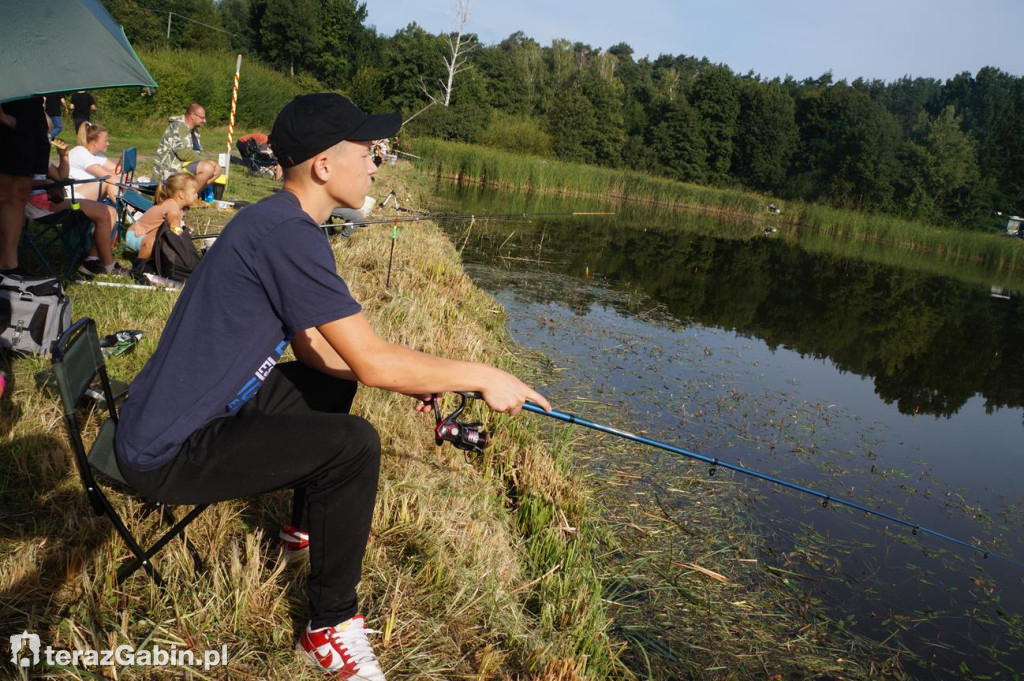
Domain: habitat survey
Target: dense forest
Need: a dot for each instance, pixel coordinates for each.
(948, 153)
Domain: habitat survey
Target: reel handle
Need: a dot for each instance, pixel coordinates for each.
(470, 437)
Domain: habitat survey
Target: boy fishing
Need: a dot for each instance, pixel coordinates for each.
(214, 416)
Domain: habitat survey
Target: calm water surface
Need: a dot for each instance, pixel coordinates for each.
(897, 389)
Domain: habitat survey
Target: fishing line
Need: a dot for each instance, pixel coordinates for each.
(438, 218)
(480, 216)
(826, 499)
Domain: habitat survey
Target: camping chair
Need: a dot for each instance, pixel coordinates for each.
(128, 200)
(77, 363)
(140, 193)
(129, 162)
(258, 162)
(70, 228)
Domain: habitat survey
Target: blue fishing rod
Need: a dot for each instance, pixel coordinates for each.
(470, 437)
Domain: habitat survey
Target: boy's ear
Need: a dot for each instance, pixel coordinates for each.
(320, 167)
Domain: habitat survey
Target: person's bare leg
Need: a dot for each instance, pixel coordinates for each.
(110, 191)
(146, 249)
(206, 173)
(12, 216)
(103, 217)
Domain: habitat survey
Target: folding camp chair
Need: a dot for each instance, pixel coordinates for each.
(258, 161)
(129, 162)
(128, 201)
(132, 195)
(70, 228)
(77, 364)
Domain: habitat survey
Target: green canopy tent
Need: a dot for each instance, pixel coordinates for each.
(63, 45)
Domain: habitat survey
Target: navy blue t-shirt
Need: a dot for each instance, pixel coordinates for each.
(270, 275)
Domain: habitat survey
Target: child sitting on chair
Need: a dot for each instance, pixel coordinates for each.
(172, 200)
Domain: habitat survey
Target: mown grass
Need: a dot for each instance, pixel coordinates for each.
(494, 567)
(504, 170)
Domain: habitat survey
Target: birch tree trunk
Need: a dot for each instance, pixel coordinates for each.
(459, 45)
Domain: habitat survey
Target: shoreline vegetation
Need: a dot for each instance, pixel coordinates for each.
(493, 567)
(984, 258)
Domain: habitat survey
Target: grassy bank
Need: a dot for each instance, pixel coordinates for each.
(495, 567)
(471, 572)
(1001, 256)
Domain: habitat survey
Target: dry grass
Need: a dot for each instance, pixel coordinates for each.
(445, 577)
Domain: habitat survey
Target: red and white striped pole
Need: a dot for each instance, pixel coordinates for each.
(231, 121)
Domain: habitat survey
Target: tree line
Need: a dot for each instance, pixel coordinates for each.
(902, 328)
(946, 152)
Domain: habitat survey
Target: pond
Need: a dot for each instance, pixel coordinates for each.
(890, 386)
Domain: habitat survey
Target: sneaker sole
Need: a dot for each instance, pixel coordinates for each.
(310, 662)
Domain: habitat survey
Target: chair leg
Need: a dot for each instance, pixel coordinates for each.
(167, 515)
(142, 560)
(141, 557)
(30, 242)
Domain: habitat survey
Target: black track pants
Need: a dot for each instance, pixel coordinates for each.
(295, 433)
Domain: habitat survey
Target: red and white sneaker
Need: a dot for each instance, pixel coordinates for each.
(293, 539)
(343, 649)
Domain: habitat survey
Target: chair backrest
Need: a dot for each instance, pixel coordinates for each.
(129, 160)
(77, 362)
(247, 147)
(71, 228)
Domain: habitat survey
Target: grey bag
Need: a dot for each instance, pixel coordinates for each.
(34, 312)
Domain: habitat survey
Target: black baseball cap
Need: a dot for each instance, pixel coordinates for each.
(311, 123)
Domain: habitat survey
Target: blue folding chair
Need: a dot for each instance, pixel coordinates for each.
(129, 162)
(132, 195)
(129, 201)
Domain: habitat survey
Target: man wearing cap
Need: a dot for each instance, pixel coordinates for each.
(213, 416)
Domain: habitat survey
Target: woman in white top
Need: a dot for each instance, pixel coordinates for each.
(87, 162)
(41, 203)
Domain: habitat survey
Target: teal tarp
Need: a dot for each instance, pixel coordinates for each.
(61, 46)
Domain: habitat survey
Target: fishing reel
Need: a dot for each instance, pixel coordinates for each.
(469, 437)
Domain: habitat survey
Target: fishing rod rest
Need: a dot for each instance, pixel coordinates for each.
(469, 437)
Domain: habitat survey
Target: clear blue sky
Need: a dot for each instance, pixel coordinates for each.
(884, 39)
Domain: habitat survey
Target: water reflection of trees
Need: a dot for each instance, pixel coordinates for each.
(929, 343)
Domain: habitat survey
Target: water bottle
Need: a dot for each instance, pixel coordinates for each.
(207, 195)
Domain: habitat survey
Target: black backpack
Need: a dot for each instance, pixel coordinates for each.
(174, 255)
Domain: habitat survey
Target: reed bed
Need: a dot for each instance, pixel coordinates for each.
(1001, 257)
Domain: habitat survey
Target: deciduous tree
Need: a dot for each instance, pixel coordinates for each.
(766, 135)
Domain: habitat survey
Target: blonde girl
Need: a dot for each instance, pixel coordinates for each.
(172, 199)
